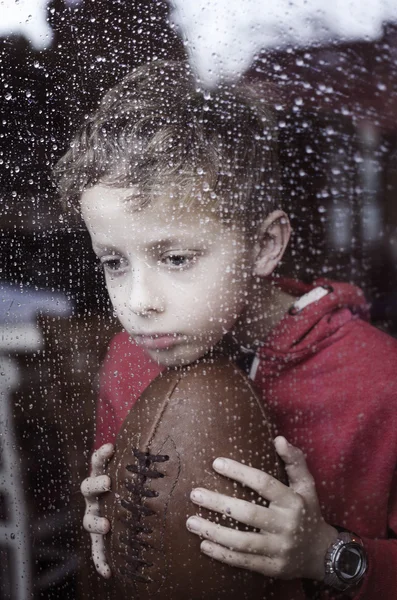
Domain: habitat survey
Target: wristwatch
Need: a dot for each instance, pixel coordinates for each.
(345, 562)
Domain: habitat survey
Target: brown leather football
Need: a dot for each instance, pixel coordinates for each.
(183, 420)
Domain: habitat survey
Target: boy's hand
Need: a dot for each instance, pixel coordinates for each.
(293, 536)
(97, 526)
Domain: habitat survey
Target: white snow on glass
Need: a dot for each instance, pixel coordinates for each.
(29, 19)
(223, 36)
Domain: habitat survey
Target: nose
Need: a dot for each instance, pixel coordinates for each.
(144, 298)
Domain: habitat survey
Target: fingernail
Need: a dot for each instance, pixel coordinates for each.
(197, 496)
(206, 547)
(193, 524)
(219, 464)
(106, 573)
(105, 482)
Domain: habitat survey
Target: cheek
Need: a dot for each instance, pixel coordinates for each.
(118, 300)
(233, 284)
(218, 290)
(114, 295)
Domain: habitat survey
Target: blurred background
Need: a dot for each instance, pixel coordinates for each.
(336, 71)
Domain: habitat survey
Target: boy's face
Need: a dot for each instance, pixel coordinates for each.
(178, 279)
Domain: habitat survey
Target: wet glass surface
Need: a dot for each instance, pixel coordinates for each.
(336, 122)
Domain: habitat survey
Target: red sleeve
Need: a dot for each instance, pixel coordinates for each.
(380, 582)
(126, 372)
(381, 579)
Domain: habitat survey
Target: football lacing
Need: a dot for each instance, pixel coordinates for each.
(143, 469)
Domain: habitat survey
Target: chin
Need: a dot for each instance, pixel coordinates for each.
(184, 357)
(172, 361)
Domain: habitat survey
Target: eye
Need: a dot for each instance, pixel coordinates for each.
(179, 260)
(113, 264)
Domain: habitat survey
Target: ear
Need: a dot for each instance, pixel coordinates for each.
(272, 239)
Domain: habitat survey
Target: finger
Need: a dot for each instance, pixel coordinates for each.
(99, 459)
(96, 524)
(92, 486)
(241, 541)
(248, 513)
(299, 476)
(98, 555)
(261, 564)
(264, 484)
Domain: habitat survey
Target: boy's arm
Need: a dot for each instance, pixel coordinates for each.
(381, 579)
(92, 487)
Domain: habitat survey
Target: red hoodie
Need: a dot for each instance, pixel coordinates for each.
(330, 381)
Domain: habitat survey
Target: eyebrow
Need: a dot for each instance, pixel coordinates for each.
(135, 200)
(178, 242)
(172, 241)
(102, 248)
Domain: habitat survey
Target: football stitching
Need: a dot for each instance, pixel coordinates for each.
(143, 471)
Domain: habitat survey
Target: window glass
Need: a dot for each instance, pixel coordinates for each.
(333, 71)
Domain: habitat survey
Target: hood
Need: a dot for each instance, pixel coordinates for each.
(305, 332)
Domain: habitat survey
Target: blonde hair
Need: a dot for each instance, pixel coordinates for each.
(157, 129)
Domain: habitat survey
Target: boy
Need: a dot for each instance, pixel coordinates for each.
(180, 191)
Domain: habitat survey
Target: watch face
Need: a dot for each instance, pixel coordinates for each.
(349, 561)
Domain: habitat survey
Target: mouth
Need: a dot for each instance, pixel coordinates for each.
(158, 341)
